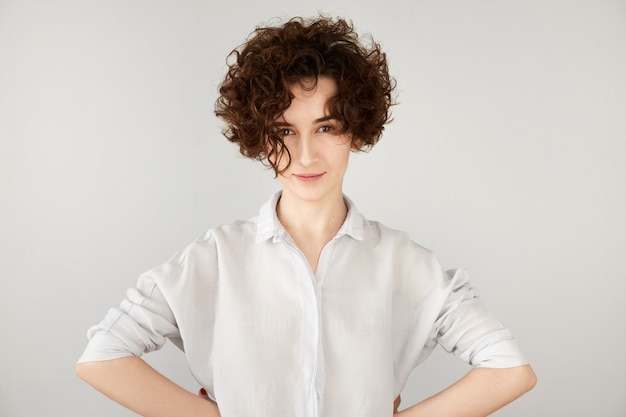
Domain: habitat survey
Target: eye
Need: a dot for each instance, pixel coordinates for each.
(284, 131)
(326, 128)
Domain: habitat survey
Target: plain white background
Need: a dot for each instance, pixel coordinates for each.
(507, 157)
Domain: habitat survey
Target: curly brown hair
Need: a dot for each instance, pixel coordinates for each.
(256, 89)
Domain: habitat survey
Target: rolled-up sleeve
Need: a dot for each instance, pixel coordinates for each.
(142, 323)
(470, 331)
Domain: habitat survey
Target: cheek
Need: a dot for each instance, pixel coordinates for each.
(280, 161)
(341, 158)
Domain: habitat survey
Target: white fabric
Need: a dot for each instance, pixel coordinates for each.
(266, 337)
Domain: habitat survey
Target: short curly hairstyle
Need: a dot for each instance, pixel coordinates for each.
(256, 89)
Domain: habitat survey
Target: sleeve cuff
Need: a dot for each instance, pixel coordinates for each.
(503, 354)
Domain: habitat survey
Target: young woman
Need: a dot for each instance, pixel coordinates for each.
(308, 309)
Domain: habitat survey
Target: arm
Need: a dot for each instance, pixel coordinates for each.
(479, 393)
(470, 331)
(133, 383)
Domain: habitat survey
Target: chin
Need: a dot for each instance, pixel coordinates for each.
(315, 195)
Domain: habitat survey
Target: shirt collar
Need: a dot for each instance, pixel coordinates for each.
(268, 225)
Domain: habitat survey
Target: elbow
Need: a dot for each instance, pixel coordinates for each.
(88, 371)
(97, 372)
(521, 379)
(529, 379)
(512, 382)
(82, 370)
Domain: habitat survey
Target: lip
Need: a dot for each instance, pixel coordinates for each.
(309, 177)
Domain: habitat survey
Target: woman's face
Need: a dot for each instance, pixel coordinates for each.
(319, 155)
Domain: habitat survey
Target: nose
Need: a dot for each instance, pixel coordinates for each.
(306, 152)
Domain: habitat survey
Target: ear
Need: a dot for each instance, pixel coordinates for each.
(357, 144)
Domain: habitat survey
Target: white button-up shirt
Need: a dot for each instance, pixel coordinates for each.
(267, 337)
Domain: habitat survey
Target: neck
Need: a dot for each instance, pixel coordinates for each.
(315, 219)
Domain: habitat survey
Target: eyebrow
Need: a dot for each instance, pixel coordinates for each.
(319, 120)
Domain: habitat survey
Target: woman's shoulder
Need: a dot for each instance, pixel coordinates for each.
(206, 246)
(400, 249)
(236, 230)
(398, 238)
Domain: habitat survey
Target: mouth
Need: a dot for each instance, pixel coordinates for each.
(309, 177)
